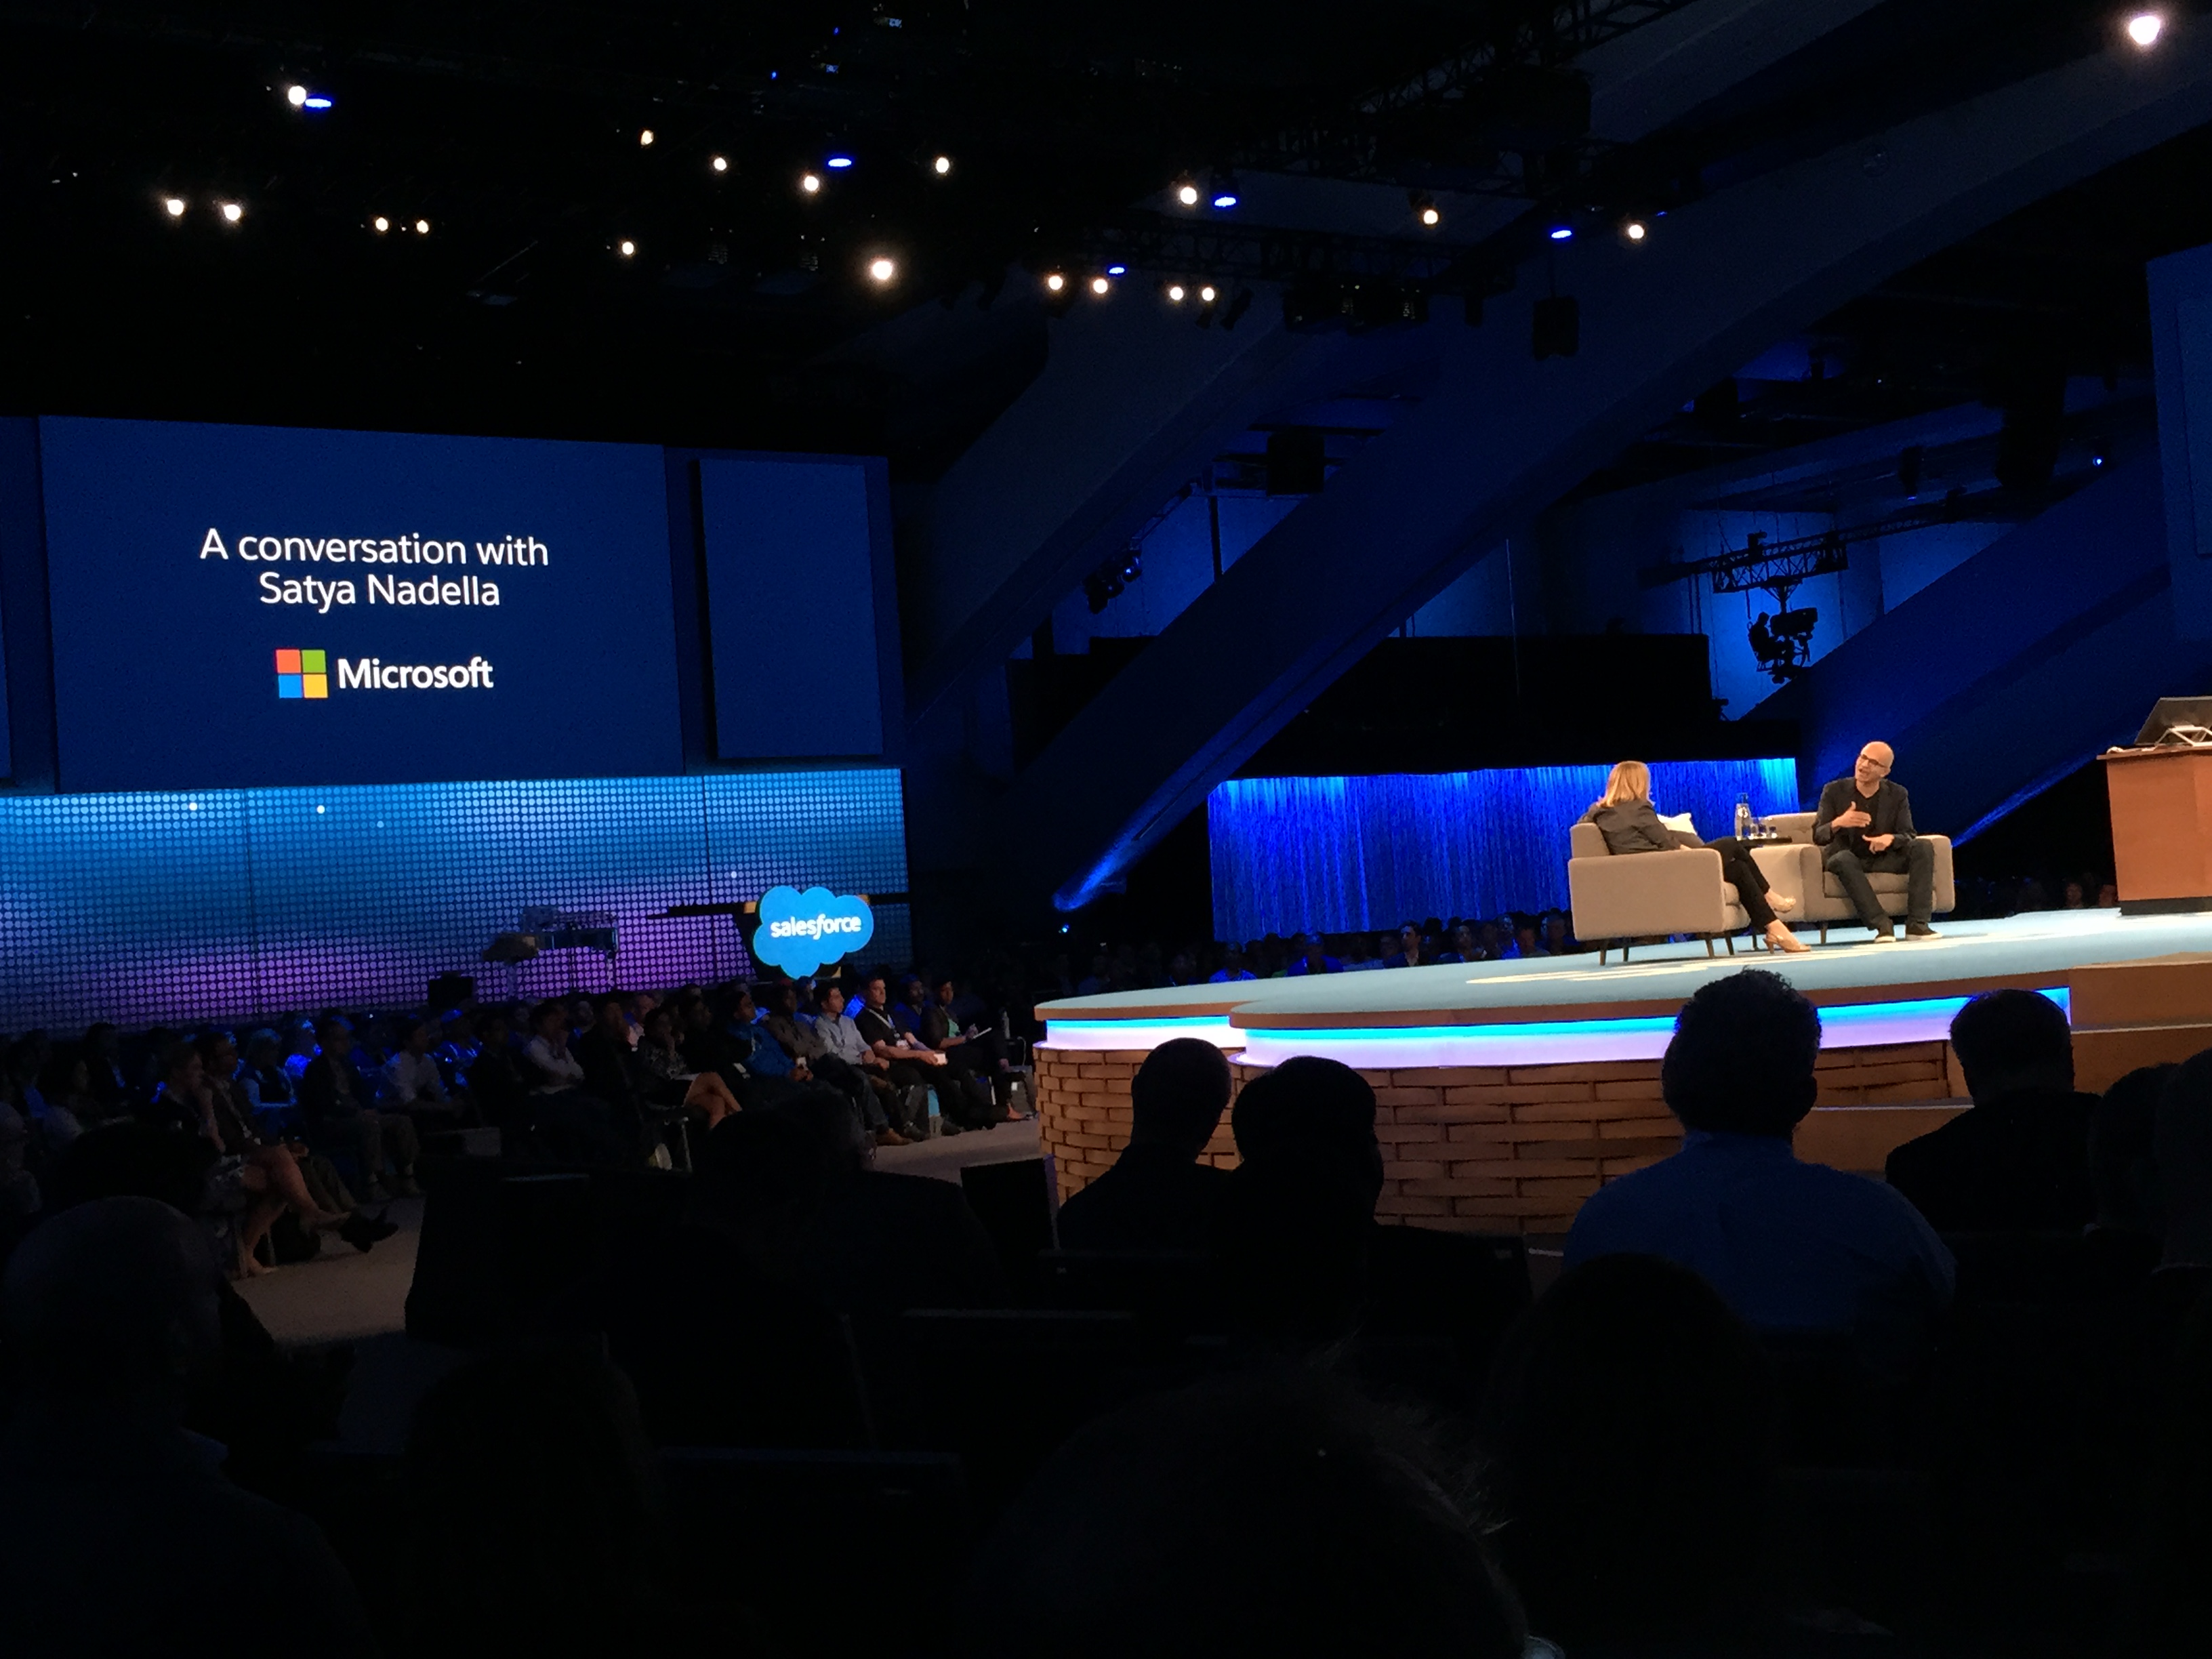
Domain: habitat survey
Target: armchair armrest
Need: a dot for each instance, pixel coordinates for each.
(1638, 895)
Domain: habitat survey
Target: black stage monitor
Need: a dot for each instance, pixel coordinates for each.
(2171, 713)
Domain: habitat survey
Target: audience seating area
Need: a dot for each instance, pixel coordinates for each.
(790, 1403)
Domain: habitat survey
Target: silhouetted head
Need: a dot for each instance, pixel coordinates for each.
(1266, 1513)
(1297, 1220)
(2182, 1144)
(1313, 1112)
(1628, 1425)
(2010, 1040)
(1741, 1061)
(1178, 1096)
(2123, 1134)
(113, 1302)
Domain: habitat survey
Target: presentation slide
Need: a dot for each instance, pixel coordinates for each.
(241, 606)
(792, 609)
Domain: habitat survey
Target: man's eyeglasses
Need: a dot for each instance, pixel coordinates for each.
(1872, 764)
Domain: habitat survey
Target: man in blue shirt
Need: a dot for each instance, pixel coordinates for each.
(1792, 1247)
(1232, 968)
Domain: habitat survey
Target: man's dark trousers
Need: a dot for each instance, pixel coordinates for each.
(1915, 860)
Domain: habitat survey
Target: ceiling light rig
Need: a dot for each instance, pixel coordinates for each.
(173, 206)
(809, 183)
(1176, 292)
(1425, 210)
(1186, 192)
(882, 269)
(1635, 230)
(645, 138)
(2144, 28)
(1055, 281)
(720, 163)
(232, 212)
(379, 224)
(941, 166)
(1100, 285)
(626, 248)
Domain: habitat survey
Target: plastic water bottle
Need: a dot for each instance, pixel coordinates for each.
(1742, 816)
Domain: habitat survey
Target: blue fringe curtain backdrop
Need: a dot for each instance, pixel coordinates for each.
(1367, 853)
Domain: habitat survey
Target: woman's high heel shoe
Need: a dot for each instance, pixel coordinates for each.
(1779, 937)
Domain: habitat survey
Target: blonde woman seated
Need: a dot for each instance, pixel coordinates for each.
(1629, 822)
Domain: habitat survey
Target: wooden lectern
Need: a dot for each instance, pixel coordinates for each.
(2161, 827)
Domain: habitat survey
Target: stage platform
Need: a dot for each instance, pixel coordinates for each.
(1509, 1091)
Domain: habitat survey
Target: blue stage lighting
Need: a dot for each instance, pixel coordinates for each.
(1227, 198)
(1563, 232)
(1117, 270)
(839, 162)
(316, 100)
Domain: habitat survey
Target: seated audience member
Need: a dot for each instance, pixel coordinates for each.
(19, 1198)
(668, 1081)
(335, 1100)
(809, 1051)
(2019, 1161)
(119, 1534)
(896, 1119)
(456, 1047)
(864, 1241)
(603, 1053)
(494, 1078)
(300, 1048)
(707, 1046)
(1159, 1196)
(534, 1523)
(247, 1178)
(1182, 970)
(1405, 952)
(1266, 1513)
(1558, 940)
(1232, 969)
(2182, 1147)
(973, 1056)
(1627, 1431)
(1467, 946)
(103, 1050)
(906, 1008)
(908, 1064)
(774, 1070)
(572, 1123)
(1791, 1247)
(1296, 1222)
(411, 1081)
(292, 1169)
(66, 1092)
(2122, 1162)
(1313, 957)
(268, 1088)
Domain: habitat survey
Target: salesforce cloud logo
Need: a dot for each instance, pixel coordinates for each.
(799, 931)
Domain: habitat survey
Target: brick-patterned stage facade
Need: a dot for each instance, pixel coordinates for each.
(1517, 1149)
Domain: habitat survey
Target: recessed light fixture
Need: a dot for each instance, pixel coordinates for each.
(2145, 26)
(173, 206)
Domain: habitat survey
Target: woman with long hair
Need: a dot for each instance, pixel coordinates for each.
(1630, 824)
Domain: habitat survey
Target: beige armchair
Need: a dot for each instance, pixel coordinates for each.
(1642, 896)
(1798, 869)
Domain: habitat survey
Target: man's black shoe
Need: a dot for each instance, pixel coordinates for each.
(1920, 930)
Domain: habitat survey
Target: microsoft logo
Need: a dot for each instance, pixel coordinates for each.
(303, 674)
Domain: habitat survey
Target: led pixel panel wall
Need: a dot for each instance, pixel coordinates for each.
(232, 904)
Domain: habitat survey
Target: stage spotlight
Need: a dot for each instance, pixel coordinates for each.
(721, 164)
(809, 183)
(2145, 26)
(882, 270)
(421, 227)
(1430, 216)
(1055, 281)
(645, 138)
(379, 224)
(838, 163)
(296, 95)
(1174, 291)
(1187, 193)
(1207, 294)
(173, 206)
(232, 212)
(1425, 209)
(626, 249)
(1562, 233)
(1634, 230)
(1100, 285)
(942, 166)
